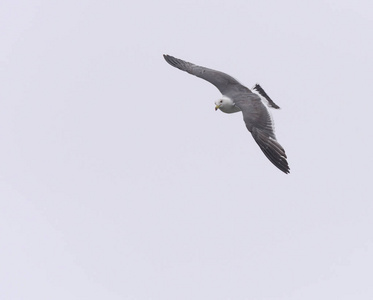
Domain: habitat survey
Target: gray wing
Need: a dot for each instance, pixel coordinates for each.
(222, 81)
(259, 123)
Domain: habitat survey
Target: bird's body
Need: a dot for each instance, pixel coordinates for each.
(237, 97)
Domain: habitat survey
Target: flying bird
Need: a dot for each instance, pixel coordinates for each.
(235, 98)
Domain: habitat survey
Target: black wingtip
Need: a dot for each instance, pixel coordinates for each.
(171, 60)
(272, 150)
(165, 56)
(177, 63)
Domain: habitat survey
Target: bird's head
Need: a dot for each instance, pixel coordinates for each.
(219, 103)
(226, 105)
(223, 102)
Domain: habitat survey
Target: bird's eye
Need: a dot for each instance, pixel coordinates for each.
(221, 101)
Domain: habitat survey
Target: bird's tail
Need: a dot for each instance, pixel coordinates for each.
(261, 92)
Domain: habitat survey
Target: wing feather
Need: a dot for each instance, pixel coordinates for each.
(272, 149)
(258, 122)
(222, 81)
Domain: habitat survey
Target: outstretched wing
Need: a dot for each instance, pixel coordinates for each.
(259, 123)
(222, 81)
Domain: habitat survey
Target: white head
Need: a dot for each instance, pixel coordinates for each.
(226, 104)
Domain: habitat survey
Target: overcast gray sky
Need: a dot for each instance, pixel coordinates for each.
(118, 179)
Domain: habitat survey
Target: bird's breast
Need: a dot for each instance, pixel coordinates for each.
(230, 109)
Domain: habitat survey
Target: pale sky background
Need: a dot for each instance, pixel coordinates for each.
(118, 180)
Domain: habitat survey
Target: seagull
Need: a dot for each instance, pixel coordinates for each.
(237, 97)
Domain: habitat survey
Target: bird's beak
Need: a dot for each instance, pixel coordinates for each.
(217, 107)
